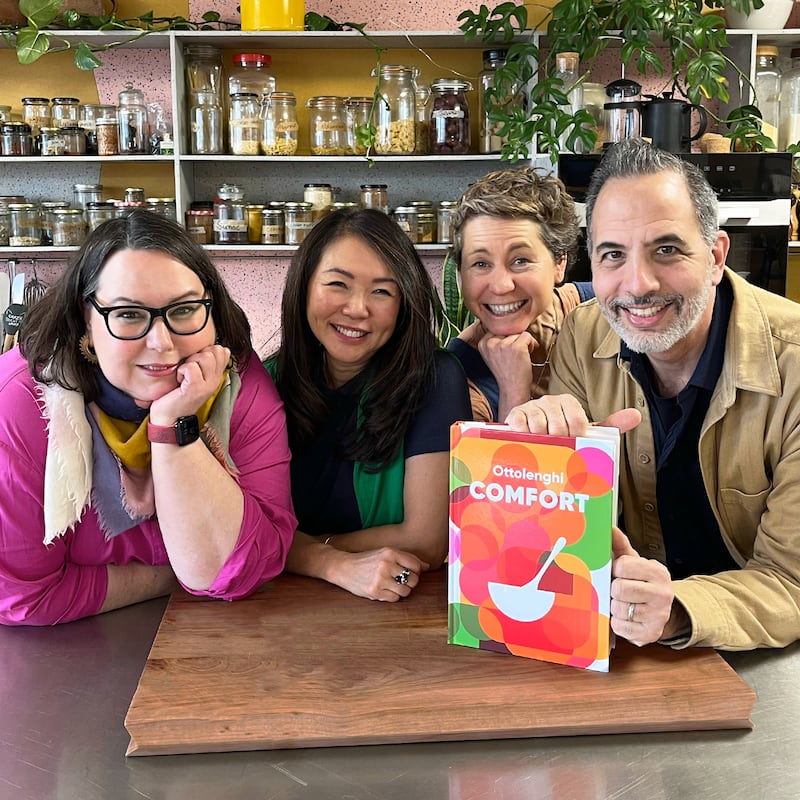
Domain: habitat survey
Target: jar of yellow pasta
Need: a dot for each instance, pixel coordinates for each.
(327, 123)
(396, 114)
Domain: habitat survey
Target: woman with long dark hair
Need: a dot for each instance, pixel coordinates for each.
(369, 403)
(140, 439)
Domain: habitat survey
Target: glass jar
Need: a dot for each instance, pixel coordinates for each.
(230, 217)
(320, 195)
(253, 212)
(450, 134)
(84, 193)
(327, 126)
(244, 125)
(272, 226)
(165, 206)
(134, 194)
(251, 74)
(51, 142)
(489, 141)
(297, 221)
(47, 208)
(422, 137)
(5, 225)
(443, 226)
(26, 225)
(396, 114)
(205, 124)
(200, 222)
(134, 128)
(767, 86)
(204, 70)
(16, 139)
(88, 114)
(64, 112)
(74, 140)
(279, 124)
(107, 134)
(375, 195)
(426, 226)
(36, 113)
(357, 110)
(406, 218)
(69, 227)
(98, 211)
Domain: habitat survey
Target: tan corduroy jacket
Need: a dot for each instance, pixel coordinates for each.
(749, 454)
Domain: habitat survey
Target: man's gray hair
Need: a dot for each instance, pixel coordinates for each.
(631, 158)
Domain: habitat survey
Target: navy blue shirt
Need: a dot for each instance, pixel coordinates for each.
(691, 534)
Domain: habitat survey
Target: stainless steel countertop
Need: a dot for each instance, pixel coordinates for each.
(64, 692)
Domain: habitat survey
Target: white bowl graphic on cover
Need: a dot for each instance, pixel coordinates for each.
(528, 602)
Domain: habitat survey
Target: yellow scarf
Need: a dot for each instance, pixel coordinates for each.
(129, 439)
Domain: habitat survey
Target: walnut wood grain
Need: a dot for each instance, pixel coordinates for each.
(305, 664)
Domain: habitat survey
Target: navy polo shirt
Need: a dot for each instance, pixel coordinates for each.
(691, 534)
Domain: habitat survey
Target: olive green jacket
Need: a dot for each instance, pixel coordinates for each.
(749, 455)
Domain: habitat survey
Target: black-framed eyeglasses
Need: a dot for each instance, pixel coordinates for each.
(134, 322)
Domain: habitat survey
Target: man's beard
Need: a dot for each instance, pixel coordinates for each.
(688, 311)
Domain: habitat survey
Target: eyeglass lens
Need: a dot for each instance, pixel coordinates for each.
(133, 322)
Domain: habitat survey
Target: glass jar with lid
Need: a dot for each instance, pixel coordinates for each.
(327, 126)
(253, 213)
(134, 127)
(230, 215)
(26, 225)
(47, 208)
(107, 135)
(88, 115)
(98, 211)
(450, 134)
(74, 140)
(69, 227)
(489, 141)
(444, 229)
(375, 195)
(204, 69)
(244, 124)
(251, 74)
(279, 124)
(396, 114)
(320, 195)
(205, 124)
(406, 218)
(358, 110)
(52, 142)
(36, 113)
(165, 206)
(5, 225)
(16, 139)
(297, 221)
(84, 193)
(200, 221)
(422, 137)
(272, 226)
(64, 111)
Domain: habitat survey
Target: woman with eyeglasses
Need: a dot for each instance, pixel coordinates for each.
(142, 444)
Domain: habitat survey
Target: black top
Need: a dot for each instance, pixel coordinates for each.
(322, 483)
(691, 534)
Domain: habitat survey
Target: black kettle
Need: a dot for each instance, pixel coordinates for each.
(667, 122)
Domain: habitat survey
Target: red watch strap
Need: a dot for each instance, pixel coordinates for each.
(161, 434)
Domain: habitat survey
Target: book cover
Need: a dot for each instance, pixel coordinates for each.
(529, 569)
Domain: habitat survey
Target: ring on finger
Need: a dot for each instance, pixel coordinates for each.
(402, 578)
(631, 611)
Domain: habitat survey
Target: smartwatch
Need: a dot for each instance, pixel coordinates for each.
(185, 431)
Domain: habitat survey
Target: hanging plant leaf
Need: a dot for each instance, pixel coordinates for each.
(32, 44)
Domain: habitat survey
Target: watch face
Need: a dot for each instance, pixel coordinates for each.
(187, 430)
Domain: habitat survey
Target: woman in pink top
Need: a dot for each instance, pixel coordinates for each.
(141, 443)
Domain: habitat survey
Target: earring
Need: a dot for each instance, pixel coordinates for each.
(87, 351)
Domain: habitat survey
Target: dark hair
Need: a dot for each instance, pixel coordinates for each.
(53, 327)
(521, 192)
(399, 376)
(631, 158)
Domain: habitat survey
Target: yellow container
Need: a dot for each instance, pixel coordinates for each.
(273, 15)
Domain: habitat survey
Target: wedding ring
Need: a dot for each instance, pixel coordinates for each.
(631, 611)
(402, 578)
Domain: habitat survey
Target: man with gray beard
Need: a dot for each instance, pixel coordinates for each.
(710, 477)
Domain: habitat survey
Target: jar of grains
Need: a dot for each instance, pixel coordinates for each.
(395, 115)
(327, 126)
(449, 131)
(279, 124)
(107, 135)
(26, 225)
(36, 113)
(320, 195)
(69, 227)
(244, 124)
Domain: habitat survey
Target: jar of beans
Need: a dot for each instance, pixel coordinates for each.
(449, 125)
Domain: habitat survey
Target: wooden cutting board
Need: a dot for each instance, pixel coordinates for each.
(305, 664)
